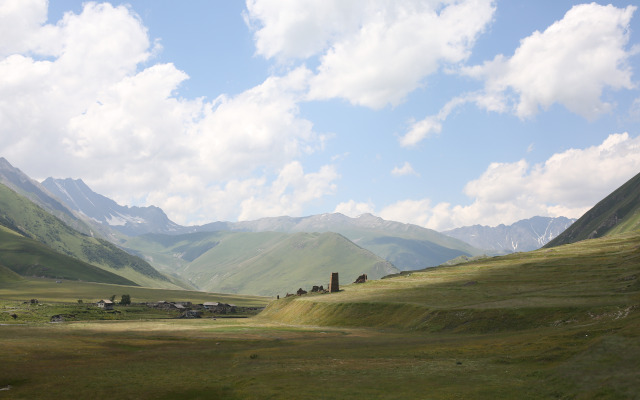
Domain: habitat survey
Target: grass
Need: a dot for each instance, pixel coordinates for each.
(556, 323)
(70, 291)
(47, 246)
(31, 258)
(247, 359)
(522, 289)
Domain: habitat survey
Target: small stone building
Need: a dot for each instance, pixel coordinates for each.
(105, 304)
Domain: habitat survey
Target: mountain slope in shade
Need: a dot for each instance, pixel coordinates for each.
(525, 235)
(619, 212)
(131, 221)
(28, 257)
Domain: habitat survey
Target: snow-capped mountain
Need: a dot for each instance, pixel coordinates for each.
(128, 220)
(525, 235)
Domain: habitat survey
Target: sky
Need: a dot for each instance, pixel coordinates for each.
(440, 113)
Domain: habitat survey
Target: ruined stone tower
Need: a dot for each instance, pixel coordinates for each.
(334, 286)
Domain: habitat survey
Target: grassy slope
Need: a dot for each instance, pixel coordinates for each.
(71, 291)
(617, 213)
(7, 275)
(504, 293)
(20, 215)
(174, 253)
(262, 263)
(300, 260)
(28, 257)
(555, 323)
(410, 253)
(406, 246)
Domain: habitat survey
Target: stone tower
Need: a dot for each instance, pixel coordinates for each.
(334, 286)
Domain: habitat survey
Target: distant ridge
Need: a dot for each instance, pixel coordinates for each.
(131, 221)
(619, 212)
(22, 184)
(406, 246)
(24, 223)
(524, 235)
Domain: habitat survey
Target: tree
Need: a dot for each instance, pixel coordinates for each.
(113, 297)
(126, 300)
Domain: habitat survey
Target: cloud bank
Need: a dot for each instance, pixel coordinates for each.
(567, 184)
(80, 95)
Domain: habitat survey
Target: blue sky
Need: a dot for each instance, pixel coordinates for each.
(438, 113)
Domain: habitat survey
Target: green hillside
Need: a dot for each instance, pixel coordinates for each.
(260, 263)
(409, 253)
(7, 275)
(571, 284)
(406, 246)
(617, 213)
(24, 217)
(28, 257)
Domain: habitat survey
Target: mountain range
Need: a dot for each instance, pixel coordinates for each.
(131, 221)
(267, 256)
(406, 246)
(524, 235)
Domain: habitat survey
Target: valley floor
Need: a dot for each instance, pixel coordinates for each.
(561, 323)
(257, 359)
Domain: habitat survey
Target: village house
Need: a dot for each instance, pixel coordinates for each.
(210, 305)
(105, 304)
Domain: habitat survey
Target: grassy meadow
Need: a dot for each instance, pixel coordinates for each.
(555, 323)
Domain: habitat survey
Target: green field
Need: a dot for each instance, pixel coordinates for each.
(72, 291)
(555, 323)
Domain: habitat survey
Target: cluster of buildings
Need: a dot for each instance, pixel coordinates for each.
(187, 306)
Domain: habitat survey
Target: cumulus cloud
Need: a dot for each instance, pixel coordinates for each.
(287, 194)
(78, 95)
(371, 53)
(406, 169)
(296, 29)
(567, 184)
(354, 209)
(571, 63)
(19, 20)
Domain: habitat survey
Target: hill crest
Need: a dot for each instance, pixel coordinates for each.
(619, 212)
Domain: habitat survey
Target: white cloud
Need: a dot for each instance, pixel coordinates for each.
(354, 209)
(406, 169)
(68, 65)
(420, 130)
(416, 212)
(571, 63)
(300, 29)
(287, 194)
(567, 184)
(433, 124)
(372, 53)
(80, 99)
(19, 21)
